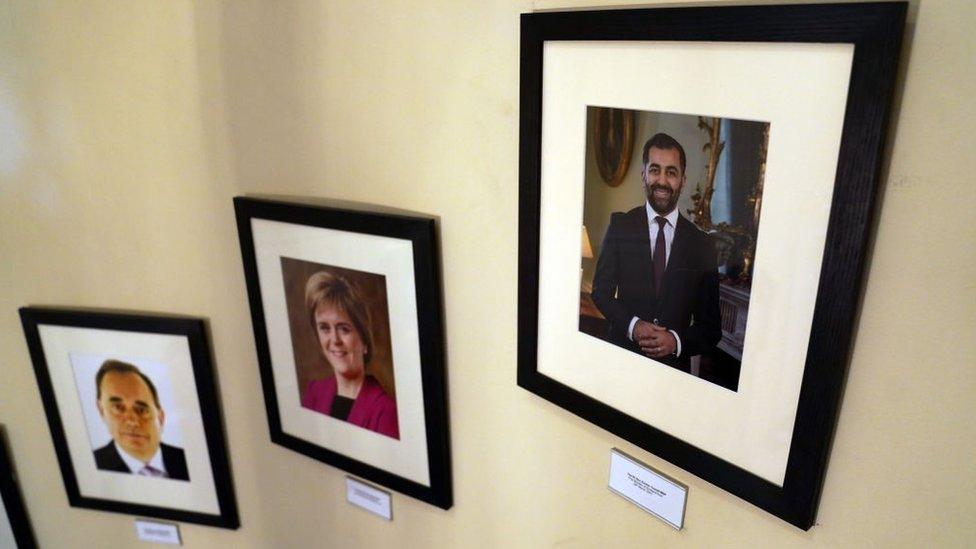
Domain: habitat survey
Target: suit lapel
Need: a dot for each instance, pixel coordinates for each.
(679, 252)
(642, 250)
(115, 458)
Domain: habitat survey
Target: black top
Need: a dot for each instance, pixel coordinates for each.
(340, 407)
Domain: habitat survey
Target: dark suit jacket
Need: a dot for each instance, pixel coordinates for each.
(623, 286)
(107, 458)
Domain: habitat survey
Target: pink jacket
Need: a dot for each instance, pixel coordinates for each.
(373, 409)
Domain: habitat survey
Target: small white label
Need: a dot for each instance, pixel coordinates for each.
(158, 532)
(648, 489)
(372, 499)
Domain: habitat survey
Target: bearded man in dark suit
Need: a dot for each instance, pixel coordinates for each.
(129, 405)
(656, 277)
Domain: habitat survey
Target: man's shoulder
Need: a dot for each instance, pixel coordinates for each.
(108, 446)
(633, 213)
(700, 243)
(631, 217)
(174, 459)
(106, 450)
(108, 458)
(172, 450)
(685, 224)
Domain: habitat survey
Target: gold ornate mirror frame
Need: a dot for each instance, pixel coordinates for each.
(613, 136)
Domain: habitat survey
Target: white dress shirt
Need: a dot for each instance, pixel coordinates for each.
(136, 465)
(653, 228)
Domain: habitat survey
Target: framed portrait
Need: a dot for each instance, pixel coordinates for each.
(696, 188)
(15, 529)
(132, 405)
(346, 309)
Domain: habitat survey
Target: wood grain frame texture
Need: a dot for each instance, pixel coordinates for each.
(12, 500)
(194, 330)
(421, 232)
(875, 30)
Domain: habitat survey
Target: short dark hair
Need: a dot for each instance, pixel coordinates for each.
(327, 288)
(664, 141)
(119, 367)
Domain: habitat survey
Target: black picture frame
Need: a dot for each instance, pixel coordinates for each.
(875, 30)
(420, 233)
(195, 332)
(12, 500)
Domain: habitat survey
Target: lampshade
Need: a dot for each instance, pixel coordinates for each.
(587, 250)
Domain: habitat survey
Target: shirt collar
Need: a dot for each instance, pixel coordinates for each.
(672, 216)
(135, 465)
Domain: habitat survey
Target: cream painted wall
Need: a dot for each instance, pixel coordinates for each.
(126, 128)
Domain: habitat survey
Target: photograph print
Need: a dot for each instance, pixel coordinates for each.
(133, 412)
(346, 311)
(340, 331)
(670, 219)
(126, 417)
(696, 188)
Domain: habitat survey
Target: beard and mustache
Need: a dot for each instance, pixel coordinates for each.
(664, 202)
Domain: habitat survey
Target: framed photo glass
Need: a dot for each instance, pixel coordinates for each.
(347, 322)
(134, 414)
(15, 529)
(696, 190)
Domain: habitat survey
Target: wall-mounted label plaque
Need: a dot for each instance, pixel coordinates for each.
(158, 532)
(372, 499)
(647, 488)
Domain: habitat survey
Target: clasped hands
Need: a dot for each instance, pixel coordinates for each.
(654, 341)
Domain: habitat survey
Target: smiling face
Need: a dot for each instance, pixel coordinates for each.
(663, 179)
(340, 341)
(129, 411)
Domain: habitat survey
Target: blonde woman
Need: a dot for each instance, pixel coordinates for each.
(341, 323)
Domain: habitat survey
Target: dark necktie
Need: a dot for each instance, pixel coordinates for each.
(660, 255)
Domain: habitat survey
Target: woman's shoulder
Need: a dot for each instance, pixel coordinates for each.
(375, 393)
(321, 384)
(382, 412)
(319, 388)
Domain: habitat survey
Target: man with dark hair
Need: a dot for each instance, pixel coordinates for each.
(129, 405)
(656, 277)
